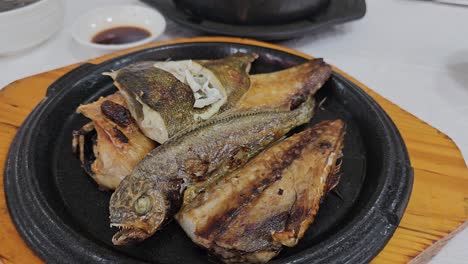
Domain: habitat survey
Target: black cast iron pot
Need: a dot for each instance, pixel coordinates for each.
(251, 11)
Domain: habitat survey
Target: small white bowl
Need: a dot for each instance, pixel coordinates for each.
(29, 25)
(100, 19)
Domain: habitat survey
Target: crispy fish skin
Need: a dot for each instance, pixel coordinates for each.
(163, 105)
(152, 193)
(285, 89)
(170, 101)
(232, 73)
(248, 215)
(267, 91)
(120, 145)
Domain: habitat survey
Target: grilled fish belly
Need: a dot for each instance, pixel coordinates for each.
(152, 193)
(251, 213)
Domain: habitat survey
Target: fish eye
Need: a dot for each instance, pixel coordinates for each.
(142, 204)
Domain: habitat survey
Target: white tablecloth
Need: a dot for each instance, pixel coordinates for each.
(414, 53)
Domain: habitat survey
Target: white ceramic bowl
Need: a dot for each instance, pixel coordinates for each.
(30, 25)
(99, 19)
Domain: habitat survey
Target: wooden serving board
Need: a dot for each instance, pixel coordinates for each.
(438, 207)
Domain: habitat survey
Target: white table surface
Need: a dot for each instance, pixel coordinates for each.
(414, 53)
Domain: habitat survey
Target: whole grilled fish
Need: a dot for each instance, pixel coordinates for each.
(167, 97)
(251, 213)
(108, 159)
(152, 193)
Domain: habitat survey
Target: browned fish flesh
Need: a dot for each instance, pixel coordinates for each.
(286, 88)
(120, 144)
(166, 97)
(281, 90)
(152, 193)
(251, 213)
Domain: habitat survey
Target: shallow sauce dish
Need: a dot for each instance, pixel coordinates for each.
(86, 27)
(47, 188)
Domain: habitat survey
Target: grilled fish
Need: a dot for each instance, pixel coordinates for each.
(166, 97)
(277, 90)
(152, 193)
(231, 73)
(285, 89)
(251, 213)
(120, 145)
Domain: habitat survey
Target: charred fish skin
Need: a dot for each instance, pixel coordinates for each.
(251, 213)
(152, 194)
(119, 146)
(276, 90)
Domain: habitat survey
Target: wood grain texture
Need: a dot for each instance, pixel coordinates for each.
(438, 206)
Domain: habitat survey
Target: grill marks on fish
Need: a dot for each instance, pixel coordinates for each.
(214, 142)
(119, 135)
(163, 105)
(198, 141)
(307, 204)
(195, 156)
(270, 202)
(277, 163)
(116, 113)
(119, 146)
(280, 162)
(278, 90)
(319, 73)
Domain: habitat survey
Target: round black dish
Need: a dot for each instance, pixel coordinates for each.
(332, 13)
(63, 216)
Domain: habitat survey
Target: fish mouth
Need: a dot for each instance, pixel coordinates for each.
(128, 234)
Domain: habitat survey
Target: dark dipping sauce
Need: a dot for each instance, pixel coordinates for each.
(120, 35)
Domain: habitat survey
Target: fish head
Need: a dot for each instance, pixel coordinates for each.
(138, 209)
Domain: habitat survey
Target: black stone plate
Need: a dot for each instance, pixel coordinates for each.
(63, 216)
(336, 12)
